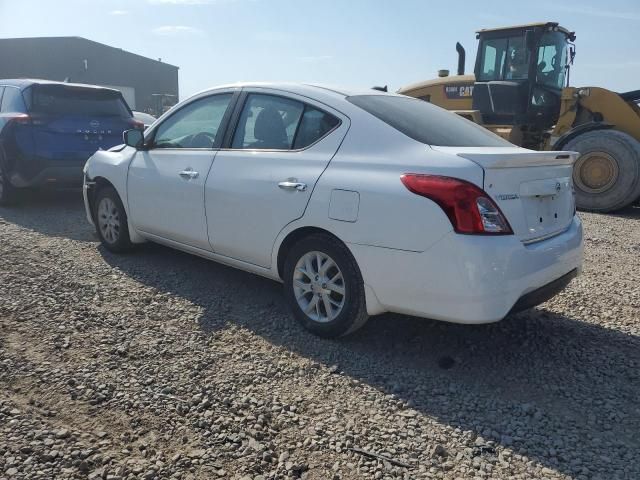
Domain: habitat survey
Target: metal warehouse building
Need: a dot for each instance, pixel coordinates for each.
(148, 85)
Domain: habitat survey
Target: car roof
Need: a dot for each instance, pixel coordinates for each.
(23, 83)
(305, 89)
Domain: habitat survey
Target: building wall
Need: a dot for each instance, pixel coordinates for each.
(84, 61)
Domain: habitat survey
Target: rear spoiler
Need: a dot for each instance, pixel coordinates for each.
(510, 157)
(521, 159)
(78, 87)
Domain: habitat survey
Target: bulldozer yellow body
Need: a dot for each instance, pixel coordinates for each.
(519, 91)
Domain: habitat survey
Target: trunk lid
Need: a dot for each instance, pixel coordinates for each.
(534, 190)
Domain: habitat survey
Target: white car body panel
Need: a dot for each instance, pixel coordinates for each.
(466, 279)
(533, 189)
(247, 181)
(163, 203)
(111, 165)
(410, 258)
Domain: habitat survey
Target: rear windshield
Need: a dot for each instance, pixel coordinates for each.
(427, 123)
(61, 100)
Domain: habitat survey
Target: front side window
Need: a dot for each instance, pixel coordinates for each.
(12, 101)
(268, 122)
(196, 125)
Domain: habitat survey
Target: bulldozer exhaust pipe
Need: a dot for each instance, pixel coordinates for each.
(461, 58)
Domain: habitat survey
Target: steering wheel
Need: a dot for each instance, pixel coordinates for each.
(202, 140)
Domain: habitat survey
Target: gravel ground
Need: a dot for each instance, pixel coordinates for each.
(158, 364)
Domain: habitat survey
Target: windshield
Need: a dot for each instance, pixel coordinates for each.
(552, 60)
(63, 100)
(427, 123)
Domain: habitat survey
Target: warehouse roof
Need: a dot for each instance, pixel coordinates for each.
(82, 39)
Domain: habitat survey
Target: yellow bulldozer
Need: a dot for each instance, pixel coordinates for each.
(520, 91)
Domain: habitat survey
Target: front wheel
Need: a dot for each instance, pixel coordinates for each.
(111, 221)
(324, 287)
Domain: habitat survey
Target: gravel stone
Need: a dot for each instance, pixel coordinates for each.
(160, 365)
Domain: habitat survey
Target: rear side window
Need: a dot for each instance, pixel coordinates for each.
(268, 122)
(279, 123)
(315, 124)
(12, 101)
(62, 100)
(426, 122)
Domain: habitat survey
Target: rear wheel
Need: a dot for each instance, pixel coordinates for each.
(324, 287)
(111, 220)
(7, 191)
(606, 176)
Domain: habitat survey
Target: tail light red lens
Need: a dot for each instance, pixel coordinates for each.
(469, 208)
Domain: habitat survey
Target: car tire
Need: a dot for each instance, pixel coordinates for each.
(7, 191)
(111, 221)
(324, 287)
(613, 152)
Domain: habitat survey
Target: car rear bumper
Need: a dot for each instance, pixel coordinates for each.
(470, 279)
(48, 174)
(542, 294)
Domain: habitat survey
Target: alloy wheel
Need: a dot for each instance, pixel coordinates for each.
(319, 287)
(109, 220)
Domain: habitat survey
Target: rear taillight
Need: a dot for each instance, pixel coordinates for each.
(469, 208)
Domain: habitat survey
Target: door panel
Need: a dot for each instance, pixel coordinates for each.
(166, 182)
(251, 193)
(164, 202)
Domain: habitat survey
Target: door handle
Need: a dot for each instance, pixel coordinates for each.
(188, 174)
(292, 185)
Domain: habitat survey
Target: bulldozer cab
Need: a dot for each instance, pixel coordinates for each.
(520, 73)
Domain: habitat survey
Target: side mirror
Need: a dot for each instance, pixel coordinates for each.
(572, 54)
(133, 138)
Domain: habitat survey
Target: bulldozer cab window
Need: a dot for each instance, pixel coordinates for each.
(493, 55)
(517, 60)
(552, 60)
(504, 59)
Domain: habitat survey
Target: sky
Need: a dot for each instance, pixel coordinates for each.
(338, 42)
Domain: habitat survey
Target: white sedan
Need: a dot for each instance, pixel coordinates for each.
(360, 202)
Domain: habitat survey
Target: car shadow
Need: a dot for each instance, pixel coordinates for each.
(561, 391)
(56, 213)
(632, 211)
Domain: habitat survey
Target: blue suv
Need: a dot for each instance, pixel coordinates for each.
(48, 130)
